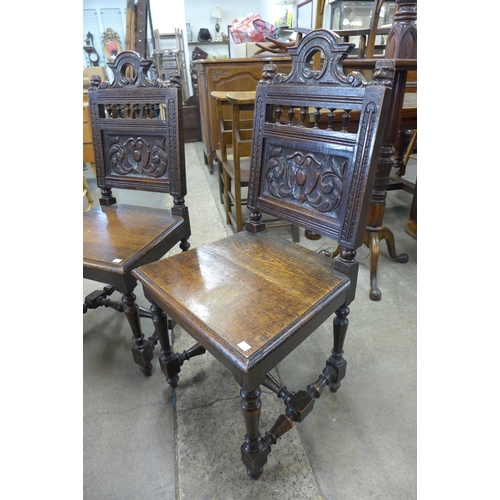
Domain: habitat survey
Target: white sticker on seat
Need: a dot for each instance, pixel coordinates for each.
(244, 346)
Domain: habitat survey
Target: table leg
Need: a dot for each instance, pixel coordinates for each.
(375, 230)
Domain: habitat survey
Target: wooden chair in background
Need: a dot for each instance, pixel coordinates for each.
(87, 194)
(367, 37)
(316, 178)
(236, 167)
(224, 148)
(139, 145)
(225, 138)
(88, 151)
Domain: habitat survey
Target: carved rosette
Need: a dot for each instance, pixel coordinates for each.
(308, 178)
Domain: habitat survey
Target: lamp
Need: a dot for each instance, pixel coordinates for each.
(286, 20)
(217, 13)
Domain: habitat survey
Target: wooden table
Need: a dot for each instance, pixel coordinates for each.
(403, 116)
(243, 97)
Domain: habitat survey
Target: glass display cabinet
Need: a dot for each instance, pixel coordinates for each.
(356, 15)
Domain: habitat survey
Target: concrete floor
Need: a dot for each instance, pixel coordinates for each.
(143, 440)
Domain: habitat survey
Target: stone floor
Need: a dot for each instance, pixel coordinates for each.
(143, 440)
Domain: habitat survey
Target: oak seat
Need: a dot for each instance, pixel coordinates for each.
(219, 280)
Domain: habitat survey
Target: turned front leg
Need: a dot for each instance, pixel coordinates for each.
(254, 450)
(336, 360)
(336, 365)
(142, 350)
(170, 362)
(167, 358)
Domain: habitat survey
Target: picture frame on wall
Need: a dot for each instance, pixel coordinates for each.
(111, 44)
(305, 15)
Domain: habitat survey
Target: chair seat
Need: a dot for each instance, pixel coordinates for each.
(229, 153)
(244, 168)
(247, 298)
(120, 237)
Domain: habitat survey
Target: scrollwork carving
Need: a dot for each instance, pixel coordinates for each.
(137, 156)
(217, 74)
(333, 52)
(356, 79)
(130, 70)
(306, 177)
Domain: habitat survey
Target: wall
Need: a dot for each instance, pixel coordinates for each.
(167, 17)
(198, 13)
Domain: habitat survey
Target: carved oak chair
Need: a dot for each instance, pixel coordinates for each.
(137, 132)
(317, 178)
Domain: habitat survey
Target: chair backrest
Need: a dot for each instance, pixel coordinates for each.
(225, 134)
(311, 165)
(242, 104)
(137, 129)
(224, 110)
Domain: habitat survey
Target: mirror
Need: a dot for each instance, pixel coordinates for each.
(111, 44)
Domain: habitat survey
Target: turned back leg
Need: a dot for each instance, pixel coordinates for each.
(142, 350)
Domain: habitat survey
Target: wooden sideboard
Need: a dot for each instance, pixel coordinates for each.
(228, 75)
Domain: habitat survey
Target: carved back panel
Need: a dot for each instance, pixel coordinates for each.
(316, 140)
(137, 129)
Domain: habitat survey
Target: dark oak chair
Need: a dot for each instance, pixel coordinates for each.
(137, 131)
(250, 299)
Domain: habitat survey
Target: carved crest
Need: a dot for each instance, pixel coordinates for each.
(130, 70)
(333, 51)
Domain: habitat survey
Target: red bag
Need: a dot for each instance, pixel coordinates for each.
(262, 29)
(251, 28)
